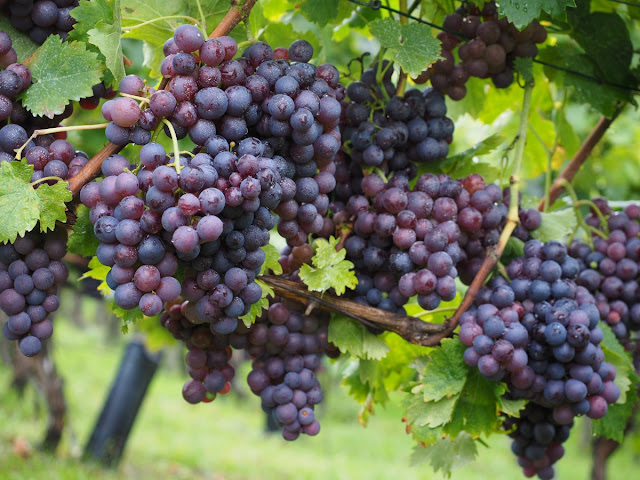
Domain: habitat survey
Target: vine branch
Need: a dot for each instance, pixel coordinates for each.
(239, 11)
(578, 159)
(411, 329)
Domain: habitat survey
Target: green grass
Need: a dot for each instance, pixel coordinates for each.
(225, 439)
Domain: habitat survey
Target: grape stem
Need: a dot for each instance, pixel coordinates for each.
(176, 148)
(494, 253)
(579, 158)
(167, 17)
(45, 131)
(44, 179)
(92, 169)
(412, 329)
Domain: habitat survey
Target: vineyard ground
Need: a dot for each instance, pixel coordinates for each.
(225, 440)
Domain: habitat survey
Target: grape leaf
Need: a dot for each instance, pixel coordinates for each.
(52, 206)
(213, 11)
(613, 51)
(23, 206)
(556, 225)
(446, 454)
(524, 66)
(467, 156)
(22, 44)
(352, 337)
(615, 354)
(82, 240)
(319, 12)
(88, 14)
(61, 72)
(445, 373)
(271, 260)
(132, 316)
(412, 45)
(522, 12)
(136, 12)
(107, 37)
(613, 425)
(18, 200)
(330, 269)
(98, 271)
(260, 305)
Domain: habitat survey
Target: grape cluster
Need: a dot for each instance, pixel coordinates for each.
(287, 348)
(41, 18)
(31, 270)
(292, 106)
(408, 242)
(610, 270)
(486, 45)
(391, 132)
(537, 440)
(208, 354)
(539, 334)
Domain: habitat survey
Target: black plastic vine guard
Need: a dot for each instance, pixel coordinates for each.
(119, 412)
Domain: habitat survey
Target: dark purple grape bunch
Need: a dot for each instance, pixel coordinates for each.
(208, 354)
(41, 18)
(537, 440)
(31, 271)
(14, 79)
(142, 267)
(100, 91)
(610, 270)
(487, 48)
(287, 347)
(393, 132)
(539, 333)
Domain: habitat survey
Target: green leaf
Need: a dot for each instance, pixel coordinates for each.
(21, 43)
(602, 97)
(61, 72)
(445, 373)
(557, 225)
(132, 316)
(22, 205)
(614, 424)
(82, 240)
(260, 305)
(522, 12)
(18, 200)
(478, 407)
(412, 45)
(468, 157)
(615, 354)
(613, 51)
(52, 206)
(446, 454)
(155, 33)
(98, 271)
(107, 37)
(330, 269)
(88, 14)
(319, 12)
(353, 338)
(271, 262)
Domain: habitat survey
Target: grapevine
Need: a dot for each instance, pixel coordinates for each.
(256, 193)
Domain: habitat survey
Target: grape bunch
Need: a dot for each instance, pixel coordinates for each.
(539, 334)
(487, 47)
(287, 346)
(208, 354)
(537, 440)
(390, 132)
(292, 106)
(41, 18)
(408, 242)
(31, 270)
(609, 270)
